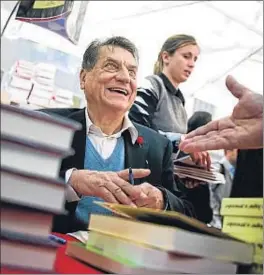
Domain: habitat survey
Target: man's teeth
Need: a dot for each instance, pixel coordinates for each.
(121, 91)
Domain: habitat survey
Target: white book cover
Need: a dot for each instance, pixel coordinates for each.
(33, 190)
(36, 126)
(25, 156)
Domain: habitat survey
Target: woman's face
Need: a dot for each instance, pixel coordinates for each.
(180, 65)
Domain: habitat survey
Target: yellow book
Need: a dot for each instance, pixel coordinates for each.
(258, 253)
(248, 229)
(252, 207)
(243, 225)
(249, 238)
(170, 231)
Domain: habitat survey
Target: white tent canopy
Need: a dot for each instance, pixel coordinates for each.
(230, 35)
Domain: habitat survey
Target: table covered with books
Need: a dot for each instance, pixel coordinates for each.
(63, 263)
(131, 241)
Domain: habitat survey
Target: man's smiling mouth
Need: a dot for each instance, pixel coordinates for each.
(118, 90)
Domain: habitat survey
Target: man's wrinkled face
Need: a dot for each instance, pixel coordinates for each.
(111, 85)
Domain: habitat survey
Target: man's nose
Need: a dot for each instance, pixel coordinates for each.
(123, 76)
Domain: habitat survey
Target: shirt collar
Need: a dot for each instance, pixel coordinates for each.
(171, 88)
(127, 125)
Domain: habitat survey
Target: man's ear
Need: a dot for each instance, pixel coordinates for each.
(82, 78)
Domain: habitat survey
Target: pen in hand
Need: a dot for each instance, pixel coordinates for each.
(131, 177)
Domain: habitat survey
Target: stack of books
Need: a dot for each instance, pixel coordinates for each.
(43, 85)
(20, 82)
(142, 240)
(185, 168)
(62, 99)
(243, 219)
(32, 147)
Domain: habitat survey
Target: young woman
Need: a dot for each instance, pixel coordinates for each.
(160, 104)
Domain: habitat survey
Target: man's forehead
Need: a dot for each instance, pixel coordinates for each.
(118, 54)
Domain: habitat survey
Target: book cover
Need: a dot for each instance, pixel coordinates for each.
(153, 258)
(242, 207)
(244, 225)
(173, 239)
(36, 126)
(169, 218)
(249, 237)
(110, 263)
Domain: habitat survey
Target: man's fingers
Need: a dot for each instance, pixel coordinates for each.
(237, 89)
(211, 126)
(105, 194)
(127, 188)
(118, 193)
(187, 144)
(208, 161)
(144, 201)
(207, 143)
(137, 173)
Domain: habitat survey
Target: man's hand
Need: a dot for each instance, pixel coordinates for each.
(151, 196)
(202, 159)
(242, 130)
(110, 186)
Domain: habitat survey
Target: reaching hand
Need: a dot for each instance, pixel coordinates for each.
(151, 196)
(202, 159)
(110, 186)
(242, 130)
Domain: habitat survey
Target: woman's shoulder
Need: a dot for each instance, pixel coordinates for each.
(152, 83)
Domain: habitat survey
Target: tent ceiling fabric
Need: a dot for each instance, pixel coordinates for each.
(230, 34)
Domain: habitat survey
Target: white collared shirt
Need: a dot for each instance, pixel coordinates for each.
(104, 145)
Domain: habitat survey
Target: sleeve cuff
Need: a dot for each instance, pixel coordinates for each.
(165, 198)
(70, 195)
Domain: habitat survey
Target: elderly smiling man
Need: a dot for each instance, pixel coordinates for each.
(109, 143)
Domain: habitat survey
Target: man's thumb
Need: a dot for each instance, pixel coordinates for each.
(237, 89)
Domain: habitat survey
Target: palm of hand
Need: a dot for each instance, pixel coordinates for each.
(242, 130)
(245, 120)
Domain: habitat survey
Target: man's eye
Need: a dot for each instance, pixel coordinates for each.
(132, 73)
(111, 66)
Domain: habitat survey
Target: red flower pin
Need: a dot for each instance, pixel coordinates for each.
(140, 141)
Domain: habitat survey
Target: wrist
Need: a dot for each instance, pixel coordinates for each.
(163, 204)
(74, 182)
